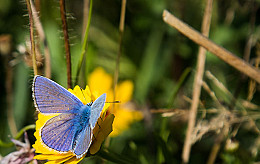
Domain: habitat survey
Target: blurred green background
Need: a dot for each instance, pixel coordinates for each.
(155, 56)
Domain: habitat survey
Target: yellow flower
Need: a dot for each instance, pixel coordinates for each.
(100, 132)
(99, 82)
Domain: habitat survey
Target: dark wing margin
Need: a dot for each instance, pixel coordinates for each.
(50, 97)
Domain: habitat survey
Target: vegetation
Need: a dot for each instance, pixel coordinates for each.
(197, 106)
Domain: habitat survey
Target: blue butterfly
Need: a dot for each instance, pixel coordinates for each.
(72, 130)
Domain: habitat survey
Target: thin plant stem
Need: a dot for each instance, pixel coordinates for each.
(18, 135)
(178, 86)
(43, 39)
(9, 96)
(216, 147)
(111, 156)
(210, 76)
(85, 41)
(66, 41)
(213, 96)
(197, 83)
(217, 50)
(247, 52)
(121, 32)
(21, 132)
(85, 17)
(28, 3)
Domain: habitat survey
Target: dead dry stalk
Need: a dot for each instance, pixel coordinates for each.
(217, 50)
(197, 83)
(39, 29)
(28, 3)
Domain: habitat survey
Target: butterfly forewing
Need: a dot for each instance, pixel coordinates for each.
(59, 132)
(50, 97)
(96, 109)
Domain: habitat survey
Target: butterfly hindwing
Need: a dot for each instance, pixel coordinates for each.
(50, 97)
(83, 141)
(96, 109)
(84, 138)
(59, 132)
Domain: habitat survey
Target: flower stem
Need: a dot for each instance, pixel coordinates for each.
(216, 50)
(121, 32)
(19, 134)
(66, 40)
(113, 157)
(178, 86)
(85, 41)
(197, 82)
(28, 3)
(42, 37)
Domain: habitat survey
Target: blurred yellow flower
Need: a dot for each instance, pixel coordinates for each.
(100, 132)
(100, 82)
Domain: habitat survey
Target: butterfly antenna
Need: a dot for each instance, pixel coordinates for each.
(113, 102)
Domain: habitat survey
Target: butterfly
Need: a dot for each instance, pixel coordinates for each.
(72, 129)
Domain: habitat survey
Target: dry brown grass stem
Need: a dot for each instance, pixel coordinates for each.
(220, 85)
(189, 100)
(243, 103)
(121, 32)
(217, 50)
(66, 41)
(166, 110)
(251, 29)
(171, 112)
(28, 3)
(197, 83)
(42, 37)
(215, 124)
(224, 130)
(5, 51)
(252, 83)
(212, 95)
(216, 147)
(9, 97)
(249, 105)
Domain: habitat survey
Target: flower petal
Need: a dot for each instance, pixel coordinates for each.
(124, 91)
(53, 156)
(99, 81)
(74, 160)
(39, 146)
(123, 119)
(101, 132)
(83, 95)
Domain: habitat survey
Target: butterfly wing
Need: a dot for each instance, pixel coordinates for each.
(84, 138)
(59, 132)
(83, 141)
(50, 97)
(96, 109)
